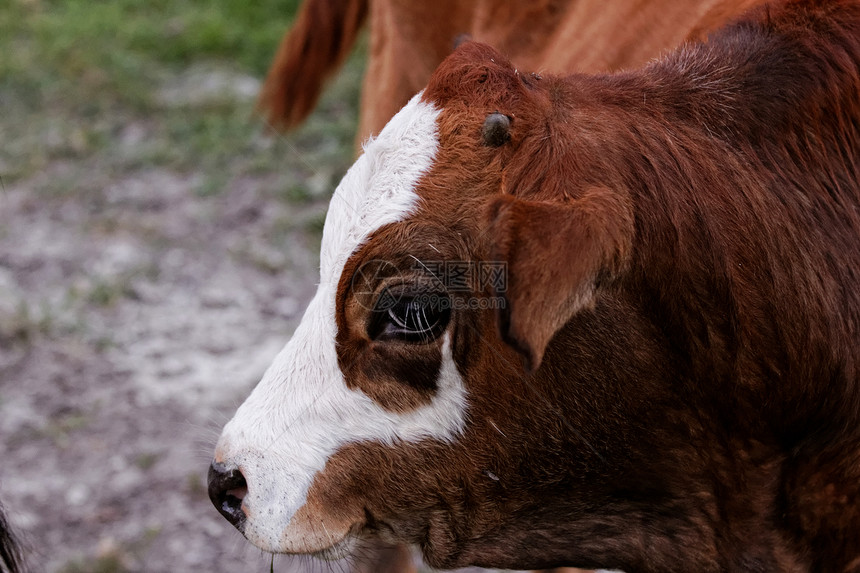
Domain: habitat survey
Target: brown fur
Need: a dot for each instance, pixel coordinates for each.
(543, 297)
(409, 38)
(382, 558)
(682, 243)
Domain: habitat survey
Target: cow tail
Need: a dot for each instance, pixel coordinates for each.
(315, 47)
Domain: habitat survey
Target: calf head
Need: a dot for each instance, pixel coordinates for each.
(453, 382)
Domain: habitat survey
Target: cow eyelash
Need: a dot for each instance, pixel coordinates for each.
(418, 319)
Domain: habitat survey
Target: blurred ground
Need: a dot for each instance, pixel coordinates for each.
(156, 250)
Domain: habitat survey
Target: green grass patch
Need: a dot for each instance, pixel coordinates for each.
(25, 323)
(110, 563)
(103, 81)
(120, 43)
(146, 460)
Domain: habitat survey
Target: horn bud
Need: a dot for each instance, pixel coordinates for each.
(497, 130)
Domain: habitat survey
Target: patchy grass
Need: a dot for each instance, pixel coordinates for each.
(115, 49)
(113, 557)
(111, 563)
(61, 429)
(166, 83)
(107, 292)
(146, 460)
(194, 485)
(23, 323)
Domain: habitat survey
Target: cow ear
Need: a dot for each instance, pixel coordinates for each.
(557, 256)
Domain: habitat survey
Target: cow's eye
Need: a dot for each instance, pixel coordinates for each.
(417, 319)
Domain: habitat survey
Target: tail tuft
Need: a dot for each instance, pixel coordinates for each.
(315, 47)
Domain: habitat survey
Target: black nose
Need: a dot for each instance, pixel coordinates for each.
(226, 490)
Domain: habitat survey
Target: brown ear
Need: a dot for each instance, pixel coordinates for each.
(556, 254)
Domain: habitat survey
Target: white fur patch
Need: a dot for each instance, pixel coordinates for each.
(302, 411)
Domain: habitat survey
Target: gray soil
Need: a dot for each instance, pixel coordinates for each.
(134, 324)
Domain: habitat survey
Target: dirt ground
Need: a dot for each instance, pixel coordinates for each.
(135, 322)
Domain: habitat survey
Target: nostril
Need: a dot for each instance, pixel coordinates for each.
(227, 489)
(238, 492)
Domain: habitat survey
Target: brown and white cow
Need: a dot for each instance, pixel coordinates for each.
(409, 38)
(666, 380)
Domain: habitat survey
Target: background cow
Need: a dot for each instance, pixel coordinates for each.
(408, 39)
(672, 381)
(10, 555)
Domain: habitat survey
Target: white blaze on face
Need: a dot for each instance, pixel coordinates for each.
(302, 411)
